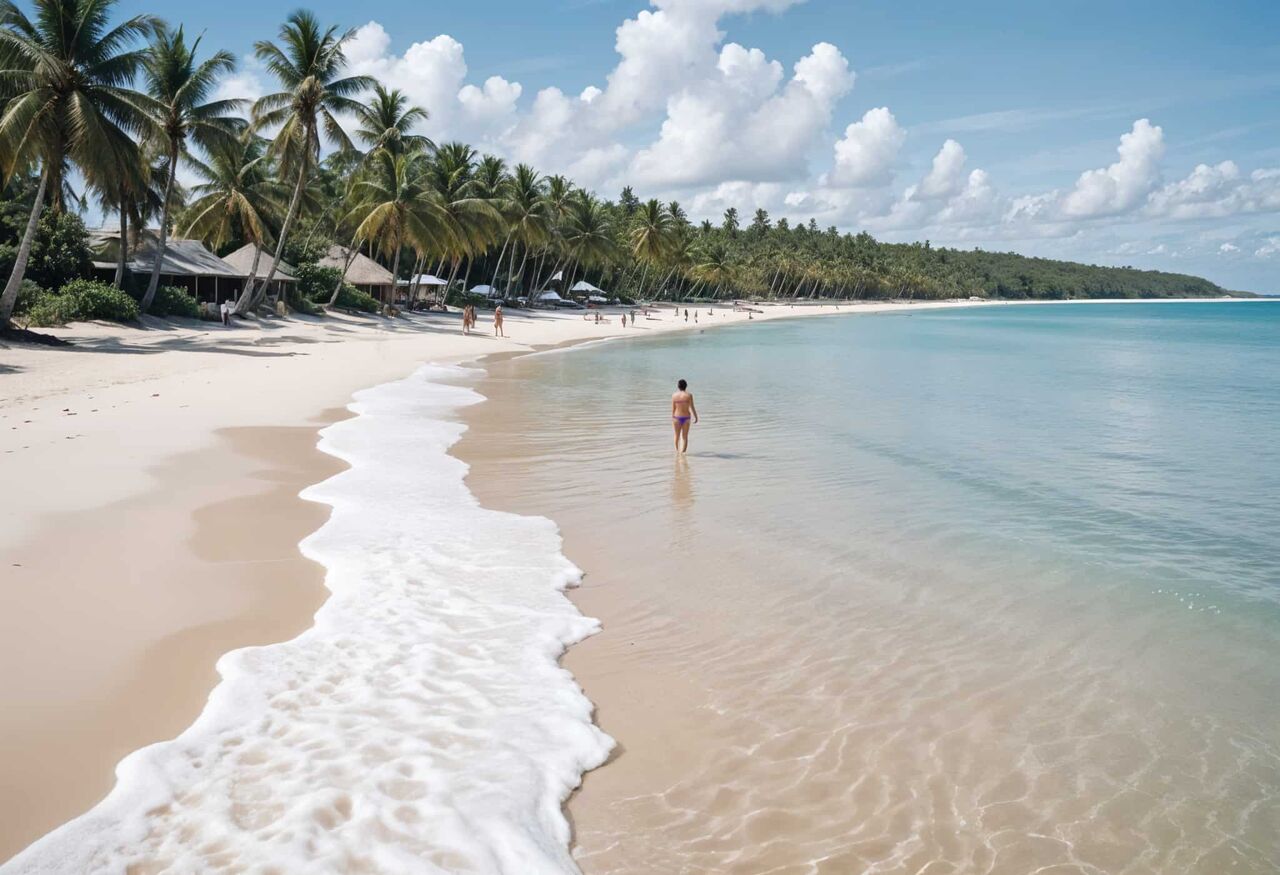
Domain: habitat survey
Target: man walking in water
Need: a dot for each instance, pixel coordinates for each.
(682, 409)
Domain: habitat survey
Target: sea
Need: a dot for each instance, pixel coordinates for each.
(952, 591)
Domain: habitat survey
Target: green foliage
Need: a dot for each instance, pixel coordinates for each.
(28, 294)
(59, 251)
(351, 298)
(172, 301)
(315, 283)
(80, 301)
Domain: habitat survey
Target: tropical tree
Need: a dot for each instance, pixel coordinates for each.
(238, 197)
(529, 214)
(589, 234)
(387, 123)
(179, 113)
(651, 237)
(396, 206)
(66, 76)
(308, 62)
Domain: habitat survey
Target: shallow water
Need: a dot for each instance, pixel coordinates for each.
(987, 590)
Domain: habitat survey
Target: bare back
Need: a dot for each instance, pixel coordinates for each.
(681, 403)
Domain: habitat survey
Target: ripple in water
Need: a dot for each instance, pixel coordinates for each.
(972, 591)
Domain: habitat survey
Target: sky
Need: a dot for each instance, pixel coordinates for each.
(1137, 133)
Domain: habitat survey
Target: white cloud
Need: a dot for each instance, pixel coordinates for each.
(1270, 247)
(738, 124)
(865, 157)
(1124, 185)
(946, 176)
(1217, 191)
(1228, 249)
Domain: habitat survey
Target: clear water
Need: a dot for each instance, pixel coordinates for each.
(991, 590)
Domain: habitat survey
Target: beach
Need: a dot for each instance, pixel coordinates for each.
(160, 472)
(157, 527)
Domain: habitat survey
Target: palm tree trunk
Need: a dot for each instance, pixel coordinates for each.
(10, 295)
(122, 254)
(498, 267)
(250, 292)
(342, 275)
(395, 278)
(154, 282)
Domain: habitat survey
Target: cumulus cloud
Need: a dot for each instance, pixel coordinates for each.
(739, 124)
(1217, 191)
(1124, 184)
(1228, 249)
(1269, 247)
(865, 157)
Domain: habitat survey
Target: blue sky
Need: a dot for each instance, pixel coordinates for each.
(983, 123)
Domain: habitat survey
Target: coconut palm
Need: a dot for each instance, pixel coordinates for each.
(308, 63)
(66, 75)
(589, 234)
(238, 197)
(529, 214)
(474, 222)
(395, 206)
(180, 113)
(387, 123)
(651, 236)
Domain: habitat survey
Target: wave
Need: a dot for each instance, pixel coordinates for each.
(423, 724)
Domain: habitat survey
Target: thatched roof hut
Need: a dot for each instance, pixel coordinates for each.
(242, 261)
(186, 264)
(362, 272)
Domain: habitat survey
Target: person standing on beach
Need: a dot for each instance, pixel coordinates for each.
(497, 322)
(682, 409)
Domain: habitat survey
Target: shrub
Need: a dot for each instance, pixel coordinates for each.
(351, 298)
(81, 300)
(28, 294)
(315, 283)
(172, 301)
(60, 250)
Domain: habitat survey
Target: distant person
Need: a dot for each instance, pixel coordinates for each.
(225, 310)
(466, 318)
(695, 315)
(633, 318)
(686, 314)
(682, 409)
(497, 322)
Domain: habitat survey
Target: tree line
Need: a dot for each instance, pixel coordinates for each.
(119, 105)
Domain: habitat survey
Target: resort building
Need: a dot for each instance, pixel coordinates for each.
(361, 271)
(186, 264)
(242, 262)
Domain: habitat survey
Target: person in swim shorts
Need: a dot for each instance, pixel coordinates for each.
(682, 410)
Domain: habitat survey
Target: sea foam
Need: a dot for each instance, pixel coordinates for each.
(423, 724)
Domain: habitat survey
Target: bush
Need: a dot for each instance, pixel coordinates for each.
(28, 294)
(172, 301)
(315, 283)
(351, 298)
(81, 300)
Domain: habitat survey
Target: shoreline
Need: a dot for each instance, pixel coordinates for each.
(90, 447)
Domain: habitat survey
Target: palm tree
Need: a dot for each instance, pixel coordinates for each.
(588, 234)
(529, 214)
(180, 112)
(237, 199)
(308, 64)
(387, 123)
(652, 233)
(65, 75)
(396, 205)
(474, 222)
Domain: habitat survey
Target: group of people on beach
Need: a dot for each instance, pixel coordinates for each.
(469, 320)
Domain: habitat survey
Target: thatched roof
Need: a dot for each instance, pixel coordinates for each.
(363, 271)
(181, 257)
(242, 261)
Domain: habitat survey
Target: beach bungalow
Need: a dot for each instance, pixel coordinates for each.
(242, 262)
(361, 271)
(186, 264)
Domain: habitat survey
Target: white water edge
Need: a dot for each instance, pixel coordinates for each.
(422, 725)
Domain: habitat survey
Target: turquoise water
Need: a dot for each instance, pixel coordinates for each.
(1022, 564)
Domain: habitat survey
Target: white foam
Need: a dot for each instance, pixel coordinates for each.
(422, 725)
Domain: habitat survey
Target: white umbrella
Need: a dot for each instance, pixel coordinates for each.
(585, 286)
(548, 296)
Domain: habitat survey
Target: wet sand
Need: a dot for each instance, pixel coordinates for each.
(115, 617)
